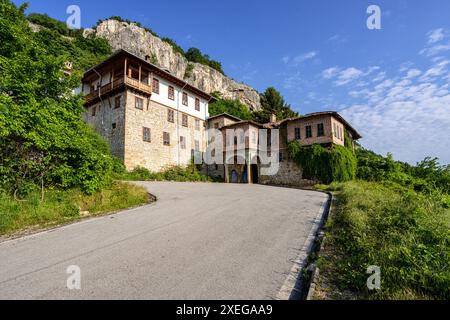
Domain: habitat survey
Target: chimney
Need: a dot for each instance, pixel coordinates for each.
(273, 117)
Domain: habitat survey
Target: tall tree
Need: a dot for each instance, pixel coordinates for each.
(272, 102)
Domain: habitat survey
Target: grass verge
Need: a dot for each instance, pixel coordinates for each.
(62, 206)
(403, 232)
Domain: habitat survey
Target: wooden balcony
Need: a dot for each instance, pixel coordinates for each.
(115, 86)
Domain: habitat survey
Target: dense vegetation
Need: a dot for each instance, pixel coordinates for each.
(45, 144)
(395, 216)
(233, 107)
(326, 164)
(403, 232)
(271, 103)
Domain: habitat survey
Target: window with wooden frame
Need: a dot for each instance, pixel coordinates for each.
(334, 130)
(197, 104)
(184, 100)
(146, 134)
(139, 103)
(297, 133)
(308, 132)
(155, 85)
(170, 115)
(320, 131)
(197, 145)
(117, 102)
(184, 120)
(341, 135)
(197, 124)
(171, 93)
(166, 139)
(182, 142)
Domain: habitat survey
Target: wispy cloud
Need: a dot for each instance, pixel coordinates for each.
(435, 35)
(438, 43)
(297, 60)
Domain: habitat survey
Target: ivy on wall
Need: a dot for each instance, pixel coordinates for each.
(335, 163)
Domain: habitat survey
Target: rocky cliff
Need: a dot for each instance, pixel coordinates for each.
(128, 36)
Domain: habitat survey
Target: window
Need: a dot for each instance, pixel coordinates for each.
(297, 133)
(146, 134)
(235, 140)
(334, 130)
(280, 156)
(197, 124)
(253, 137)
(242, 138)
(197, 104)
(182, 142)
(184, 120)
(341, 136)
(170, 115)
(155, 86)
(117, 102)
(139, 103)
(197, 145)
(166, 139)
(308, 132)
(114, 126)
(184, 100)
(94, 110)
(171, 93)
(320, 131)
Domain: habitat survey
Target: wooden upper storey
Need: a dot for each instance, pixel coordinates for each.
(124, 70)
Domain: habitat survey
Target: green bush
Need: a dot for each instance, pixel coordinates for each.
(335, 163)
(43, 139)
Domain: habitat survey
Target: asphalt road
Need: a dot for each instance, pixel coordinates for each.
(198, 241)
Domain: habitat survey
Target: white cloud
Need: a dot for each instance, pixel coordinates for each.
(412, 73)
(348, 75)
(436, 44)
(330, 72)
(297, 60)
(435, 71)
(435, 35)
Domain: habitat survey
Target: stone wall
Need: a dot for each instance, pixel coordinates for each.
(289, 174)
(109, 122)
(154, 155)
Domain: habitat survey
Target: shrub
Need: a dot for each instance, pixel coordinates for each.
(335, 163)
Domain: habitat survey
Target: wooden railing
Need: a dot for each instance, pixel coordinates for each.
(105, 89)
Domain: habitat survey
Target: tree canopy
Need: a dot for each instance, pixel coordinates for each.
(273, 103)
(43, 139)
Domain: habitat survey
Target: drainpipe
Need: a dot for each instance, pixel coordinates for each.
(178, 122)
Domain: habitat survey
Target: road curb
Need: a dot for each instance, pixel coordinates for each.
(314, 270)
(297, 285)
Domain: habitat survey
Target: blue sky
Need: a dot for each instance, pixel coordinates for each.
(392, 84)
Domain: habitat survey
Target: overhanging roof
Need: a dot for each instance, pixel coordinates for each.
(122, 53)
